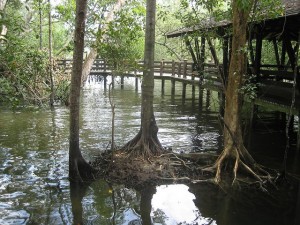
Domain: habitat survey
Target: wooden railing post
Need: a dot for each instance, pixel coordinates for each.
(161, 67)
(161, 74)
(173, 68)
(104, 65)
(184, 68)
(179, 69)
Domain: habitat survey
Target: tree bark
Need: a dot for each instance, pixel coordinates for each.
(50, 57)
(3, 29)
(235, 153)
(40, 25)
(146, 142)
(79, 169)
(88, 63)
(237, 70)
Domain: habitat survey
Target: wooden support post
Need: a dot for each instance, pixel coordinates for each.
(179, 69)
(283, 53)
(207, 102)
(122, 82)
(298, 134)
(136, 81)
(173, 87)
(257, 61)
(193, 86)
(162, 86)
(200, 97)
(161, 69)
(161, 74)
(276, 52)
(252, 59)
(216, 60)
(104, 65)
(184, 68)
(221, 97)
(183, 90)
(105, 82)
(202, 57)
(173, 68)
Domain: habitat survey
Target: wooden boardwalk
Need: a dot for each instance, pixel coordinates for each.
(272, 93)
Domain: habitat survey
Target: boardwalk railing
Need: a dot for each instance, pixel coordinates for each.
(163, 69)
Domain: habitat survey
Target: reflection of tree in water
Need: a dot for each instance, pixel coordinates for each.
(244, 206)
(113, 204)
(159, 216)
(125, 203)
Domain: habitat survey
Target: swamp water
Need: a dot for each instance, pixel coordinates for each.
(34, 187)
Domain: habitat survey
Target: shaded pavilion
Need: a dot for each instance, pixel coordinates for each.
(278, 82)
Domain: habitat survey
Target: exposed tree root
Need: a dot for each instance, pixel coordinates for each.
(141, 146)
(81, 171)
(232, 160)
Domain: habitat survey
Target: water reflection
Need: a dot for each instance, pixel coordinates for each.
(244, 207)
(34, 188)
(191, 205)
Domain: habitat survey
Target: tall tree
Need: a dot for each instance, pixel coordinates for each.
(50, 56)
(40, 24)
(235, 153)
(146, 142)
(79, 169)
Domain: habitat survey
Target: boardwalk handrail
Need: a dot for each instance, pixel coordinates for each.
(163, 69)
(180, 69)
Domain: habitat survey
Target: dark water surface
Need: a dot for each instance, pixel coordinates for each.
(34, 188)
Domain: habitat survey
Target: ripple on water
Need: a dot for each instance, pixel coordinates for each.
(13, 217)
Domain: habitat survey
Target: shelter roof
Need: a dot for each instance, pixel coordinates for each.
(288, 21)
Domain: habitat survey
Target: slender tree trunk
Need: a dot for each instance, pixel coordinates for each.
(40, 25)
(146, 142)
(50, 57)
(88, 63)
(3, 29)
(79, 169)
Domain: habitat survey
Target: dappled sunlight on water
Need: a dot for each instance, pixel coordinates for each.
(34, 186)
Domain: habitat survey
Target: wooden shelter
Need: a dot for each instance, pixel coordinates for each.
(276, 89)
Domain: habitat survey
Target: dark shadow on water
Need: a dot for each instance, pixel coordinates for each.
(248, 207)
(205, 204)
(145, 205)
(77, 192)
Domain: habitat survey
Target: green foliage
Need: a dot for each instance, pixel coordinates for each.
(166, 22)
(244, 4)
(23, 67)
(250, 87)
(195, 12)
(267, 9)
(121, 43)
